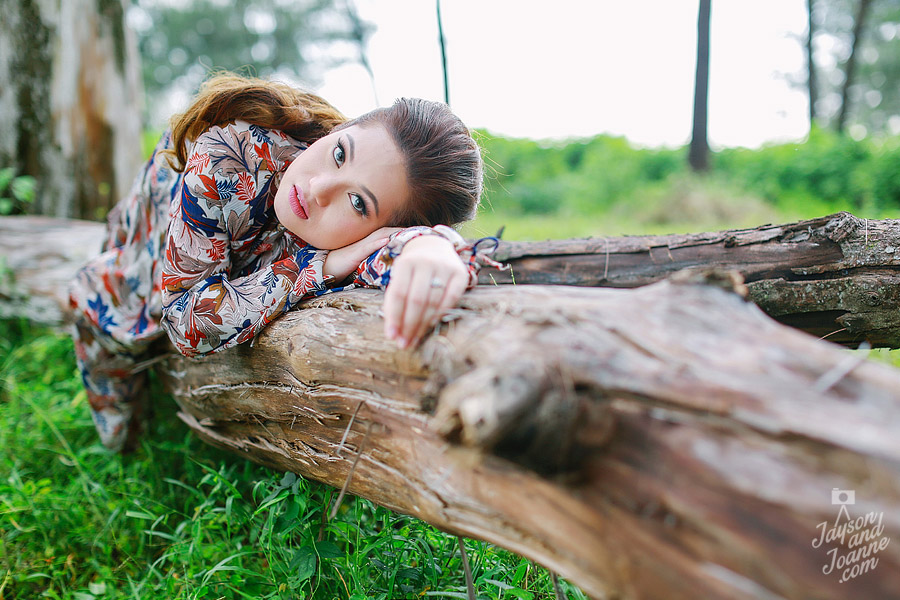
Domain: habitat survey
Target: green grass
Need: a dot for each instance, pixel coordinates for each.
(682, 203)
(181, 520)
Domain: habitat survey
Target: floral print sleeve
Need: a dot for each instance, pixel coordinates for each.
(209, 304)
(375, 271)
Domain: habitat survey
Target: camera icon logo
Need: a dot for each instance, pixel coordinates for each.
(843, 496)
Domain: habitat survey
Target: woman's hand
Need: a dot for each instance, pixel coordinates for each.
(427, 279)
(341, 262)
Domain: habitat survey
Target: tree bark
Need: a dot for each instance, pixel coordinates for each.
(670, 441)
(836, 276)
(698, 153)
(70, 102)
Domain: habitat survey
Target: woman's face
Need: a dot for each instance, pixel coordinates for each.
(343, 187)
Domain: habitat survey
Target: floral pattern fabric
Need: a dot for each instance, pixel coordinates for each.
(201, 256)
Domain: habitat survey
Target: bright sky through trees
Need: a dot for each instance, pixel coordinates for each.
(582, 67)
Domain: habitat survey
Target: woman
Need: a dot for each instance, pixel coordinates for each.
(270, 196)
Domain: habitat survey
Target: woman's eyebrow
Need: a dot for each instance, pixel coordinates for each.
(351, 148)
(371, 196)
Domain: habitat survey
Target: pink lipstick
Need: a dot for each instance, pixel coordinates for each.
(295, 197)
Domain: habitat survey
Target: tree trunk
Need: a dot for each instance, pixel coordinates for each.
(667, 442)
(811, 83)
(70, 102)
(443, 44)
(836, 277)
(698, 155)
(859, 25)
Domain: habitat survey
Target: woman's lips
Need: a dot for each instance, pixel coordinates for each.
(295, 197)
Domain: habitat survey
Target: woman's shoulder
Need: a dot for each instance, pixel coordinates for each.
(239, 132)
(248, 146)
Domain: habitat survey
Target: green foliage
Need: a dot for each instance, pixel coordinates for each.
(604, 186)
(149, 139)
(16, 193)
(527, 177)
(179, 519)
(827, 167)
(883, 176)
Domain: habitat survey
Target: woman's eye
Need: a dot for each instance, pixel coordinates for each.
(338, 154)
(359, 205)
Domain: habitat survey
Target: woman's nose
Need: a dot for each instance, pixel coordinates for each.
(322, 189)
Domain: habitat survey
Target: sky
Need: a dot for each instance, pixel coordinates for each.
(567, 68)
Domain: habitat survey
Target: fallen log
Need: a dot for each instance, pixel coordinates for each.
(665, 442)
(38, 258)
(836, 276)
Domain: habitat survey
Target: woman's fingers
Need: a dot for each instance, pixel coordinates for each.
(419, 301)
(394, 296)
(426, 279)
(415, 301)
(372, 243)
(441, 299)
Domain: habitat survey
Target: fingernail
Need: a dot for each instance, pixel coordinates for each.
(403, 342)
(391, 332)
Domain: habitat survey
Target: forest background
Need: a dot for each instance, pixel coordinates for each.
(179, 519)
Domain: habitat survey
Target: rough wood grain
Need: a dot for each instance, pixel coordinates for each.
(666, 442)
(836, 276)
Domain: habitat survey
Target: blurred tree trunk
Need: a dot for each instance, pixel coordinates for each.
(669, 442)
(698, 156)
(859, 23)
(810, 62)
(70, 102)
(443, 43)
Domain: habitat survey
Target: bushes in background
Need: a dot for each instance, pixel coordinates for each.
(824, 172)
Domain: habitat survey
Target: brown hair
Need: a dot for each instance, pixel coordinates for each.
(443, 162)
(225, 98)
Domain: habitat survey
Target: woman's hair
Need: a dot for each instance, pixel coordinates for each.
(225, 98)
(443, 163)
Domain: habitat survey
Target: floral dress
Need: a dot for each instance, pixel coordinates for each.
(201, 256)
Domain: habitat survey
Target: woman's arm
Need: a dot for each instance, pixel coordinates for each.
(221, 206)
(425, 272)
